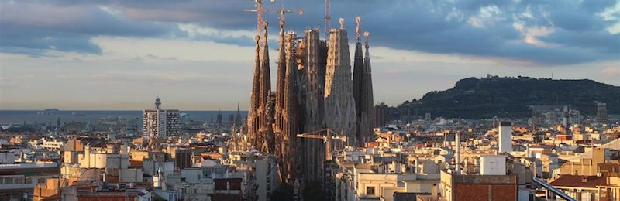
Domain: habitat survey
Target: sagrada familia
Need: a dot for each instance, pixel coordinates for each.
(316, 94)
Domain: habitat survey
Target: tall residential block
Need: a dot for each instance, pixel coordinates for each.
(505, 134)
(159, 122)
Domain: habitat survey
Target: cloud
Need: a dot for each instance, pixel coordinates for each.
(35, 28)
(611, 71)
(543, 32)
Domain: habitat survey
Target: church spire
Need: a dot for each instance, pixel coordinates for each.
(238, 116)
(358, 82)
(368, 108)
(280, 94)
(265, 81)
(255, 97)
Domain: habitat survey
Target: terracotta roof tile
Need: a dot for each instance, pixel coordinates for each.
(579, 181)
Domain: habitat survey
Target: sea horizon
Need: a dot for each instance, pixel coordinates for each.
(12, 117)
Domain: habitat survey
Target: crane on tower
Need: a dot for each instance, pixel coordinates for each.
(259, 15)
(327, 139)
(327, 18)
(281, 11)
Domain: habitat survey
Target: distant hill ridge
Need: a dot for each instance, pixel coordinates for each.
(511, 96)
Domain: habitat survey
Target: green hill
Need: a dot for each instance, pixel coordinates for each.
(510, 97)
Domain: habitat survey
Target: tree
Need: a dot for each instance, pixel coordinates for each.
(284, 192)
(313, 192)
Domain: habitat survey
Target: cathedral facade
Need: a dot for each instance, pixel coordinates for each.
(316, 93)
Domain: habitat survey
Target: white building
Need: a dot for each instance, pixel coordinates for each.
(505, 135)
(263, 178)
(383, 182)
(52, 145)
(97, 157)
(493, 165)
(266, 177)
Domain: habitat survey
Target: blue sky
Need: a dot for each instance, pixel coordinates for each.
(198, 54)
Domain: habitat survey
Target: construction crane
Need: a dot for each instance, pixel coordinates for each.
(327, 139)
(281, 11)
(259, 15)
(327, 18)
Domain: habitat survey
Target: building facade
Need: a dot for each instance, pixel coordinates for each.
(362, 91)
(340, 115)
(159, 122)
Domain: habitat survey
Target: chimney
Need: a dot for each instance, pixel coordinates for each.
(504, 140)
(434, 192)
(415, 165)
(457, 162)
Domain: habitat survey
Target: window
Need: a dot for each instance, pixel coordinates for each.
(370, 190)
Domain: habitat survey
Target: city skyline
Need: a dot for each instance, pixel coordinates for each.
(197, 55)
(336, 100)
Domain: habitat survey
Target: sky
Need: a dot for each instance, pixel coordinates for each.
(198, 54)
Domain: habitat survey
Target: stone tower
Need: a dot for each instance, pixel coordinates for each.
(358, 83)
(259, 123)
(280, 94)
(339, 102)
(367, 115)
(253, 118)
(362, 90)
(290, 111)
(315, 81)
(286, 105)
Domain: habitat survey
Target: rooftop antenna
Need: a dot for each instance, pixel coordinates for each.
(157, 102)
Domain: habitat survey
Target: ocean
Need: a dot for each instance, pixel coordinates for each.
(13, 117)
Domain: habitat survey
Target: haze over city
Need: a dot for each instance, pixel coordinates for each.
(198, 54)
